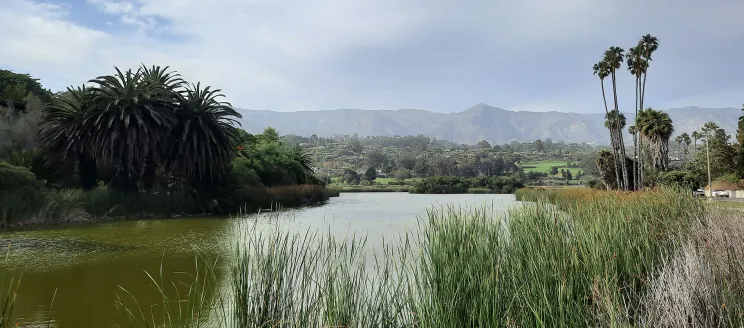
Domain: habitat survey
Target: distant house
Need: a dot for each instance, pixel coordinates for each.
(734, 190)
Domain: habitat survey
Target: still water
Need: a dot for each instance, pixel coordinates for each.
(76, 269)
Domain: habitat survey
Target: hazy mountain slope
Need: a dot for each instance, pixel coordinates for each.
(481, 122)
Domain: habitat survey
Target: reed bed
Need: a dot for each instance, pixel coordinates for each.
(8, 295)
(568, 258)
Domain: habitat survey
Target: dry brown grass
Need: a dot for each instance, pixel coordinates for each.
(702, 284)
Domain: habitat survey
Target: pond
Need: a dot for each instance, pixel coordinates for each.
(76, 269)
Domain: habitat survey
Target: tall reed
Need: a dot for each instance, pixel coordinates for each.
(8, 295)
(569, 258)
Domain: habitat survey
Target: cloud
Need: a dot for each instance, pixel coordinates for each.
(432, 54)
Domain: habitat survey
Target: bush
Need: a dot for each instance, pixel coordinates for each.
(21, 194)
(459, 185)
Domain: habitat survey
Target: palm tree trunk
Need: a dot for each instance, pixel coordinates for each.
(612, 139)
(635, 161)
(640, 140)
(148, 176)
(87, 172)
(621, 145)
(635, 135)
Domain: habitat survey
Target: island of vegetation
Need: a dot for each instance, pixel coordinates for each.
(138, 143)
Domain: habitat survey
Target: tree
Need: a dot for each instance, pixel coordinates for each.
(679, 139)
(165, 85)
(402, 174)
(648, 44)
(371, 174)
(132, 121)
(553, 170)
(695, 137)
(614, 57)
(636, 65)
(350, 177)
(539, 146)
(633, 131)
(656, 127)
(722, 154)
(14, 87)
(483, 144)
(740, 146)
(615, 122)
(355, 145)
(269, 134)
(66, 130)
(602, 70)
(375, 158)
(686, 140)
(568, 175)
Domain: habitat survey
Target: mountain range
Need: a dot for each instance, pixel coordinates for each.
(481, 122)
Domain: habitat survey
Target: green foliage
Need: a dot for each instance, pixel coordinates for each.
(371, 174)
(20, 193)
(679, 179)
(458, 185)
(15, 87)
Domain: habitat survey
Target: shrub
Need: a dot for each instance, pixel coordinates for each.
(458, 185)
(20, 194)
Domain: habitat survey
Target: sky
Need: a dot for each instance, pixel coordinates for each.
(439, 55)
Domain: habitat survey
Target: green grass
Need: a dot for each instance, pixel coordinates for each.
(544, 166)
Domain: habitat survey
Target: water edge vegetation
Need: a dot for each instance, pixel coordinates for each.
(569, 257)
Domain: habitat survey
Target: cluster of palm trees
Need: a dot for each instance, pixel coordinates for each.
(652, 127)
(141, 122)
(684, 139)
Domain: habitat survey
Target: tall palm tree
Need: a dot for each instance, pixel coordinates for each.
(167, 86)
(614, 57)
(656, 127)
(686, 140)
(648, 45)
(695, 137)
(602, 70)
(66, 130)
(204, 138)
(132, 119)
(633, 131)
(614, 120)
(679, 139)
(636, 65)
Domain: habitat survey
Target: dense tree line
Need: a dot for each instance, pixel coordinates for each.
(141, 132)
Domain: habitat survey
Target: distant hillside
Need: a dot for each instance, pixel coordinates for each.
(481, 122)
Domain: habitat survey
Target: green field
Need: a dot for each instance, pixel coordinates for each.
(544, 166)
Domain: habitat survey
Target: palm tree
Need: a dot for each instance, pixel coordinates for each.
(695, 137)
(648, 45)
(679, 139)
(636, 65)
(656, 127)
(602, 70)
(203, 140)
(614, 57)
(167, 85)
(131, 123)
(686, 140)
(302, 156)
(66, 130)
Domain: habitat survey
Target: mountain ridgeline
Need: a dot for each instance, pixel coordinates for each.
(481, 122)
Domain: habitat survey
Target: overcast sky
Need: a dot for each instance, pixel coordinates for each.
(441, 55)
